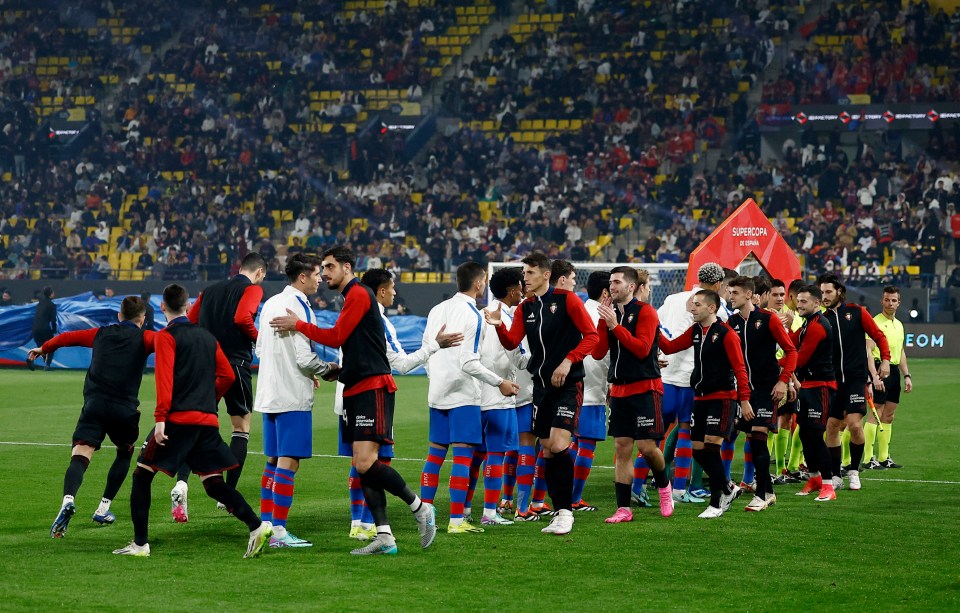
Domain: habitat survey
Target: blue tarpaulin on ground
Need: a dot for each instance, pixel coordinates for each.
(85, 311)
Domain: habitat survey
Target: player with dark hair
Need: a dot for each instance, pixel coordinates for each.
(778, 443)
(368, 396)
(592, 424)
(760, 333)
(761, 291)
(227, 309)
(560, 334)
(817, 388)
(851, 322)
(44, 324)
(498, 413)
(675, 317)
(455, 380)
(381, 282)
(719, 378)
(110, 403)
(886, 392)
(628, 331)
(192, 374)
(289, 372)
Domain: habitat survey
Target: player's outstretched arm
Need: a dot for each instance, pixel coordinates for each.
(512, 337)
(77, 338)
(676, 345)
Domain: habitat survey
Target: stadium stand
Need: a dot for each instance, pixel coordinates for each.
(604, 129)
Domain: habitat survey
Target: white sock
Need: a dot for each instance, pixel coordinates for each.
(354, 523)
(415, 505)
(104, 507)
(489, 513)
(279, 531)
(66, 499)
(456, 521)
(181, 485)
(366, 526)
(385, 530)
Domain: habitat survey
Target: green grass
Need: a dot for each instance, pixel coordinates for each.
(890, 546)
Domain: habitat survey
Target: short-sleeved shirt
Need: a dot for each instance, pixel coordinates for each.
(893, 330)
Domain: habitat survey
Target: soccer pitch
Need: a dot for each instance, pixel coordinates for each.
(890, 546)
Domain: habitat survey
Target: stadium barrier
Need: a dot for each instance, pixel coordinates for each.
(85, 311)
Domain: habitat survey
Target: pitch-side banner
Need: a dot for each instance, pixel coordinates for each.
(774, 117)
(85, 311)
(932, 340)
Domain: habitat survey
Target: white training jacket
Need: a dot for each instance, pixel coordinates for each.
(456, 373)
(524, 378)
(288, 362)
(504, 363)
(595, 371)
(675, 318)
(400, 361)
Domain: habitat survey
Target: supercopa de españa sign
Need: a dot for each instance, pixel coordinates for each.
(747, 230)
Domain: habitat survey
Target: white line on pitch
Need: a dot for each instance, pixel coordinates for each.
(595, 466)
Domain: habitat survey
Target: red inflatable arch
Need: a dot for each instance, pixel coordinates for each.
(746, 231)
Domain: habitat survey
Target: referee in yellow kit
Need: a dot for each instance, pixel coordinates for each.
(886, 393)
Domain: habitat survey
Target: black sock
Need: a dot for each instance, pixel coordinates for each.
(183, 473)
(623, 491)
(140, 504)
(117, 473)
(816, 453)
(238, 445)
(74, 475)
(824, 457)
(559, 476)
(380, 476)
(660, 478)
(761, 463)
(376, 500)
(710, 460)
(217, 489)
(836, 456)
(856, 455)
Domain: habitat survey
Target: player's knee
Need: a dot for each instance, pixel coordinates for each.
(143, 473)
(124, 452)
(211, 484)
(623, 446)
(363, 462)
(647, 448)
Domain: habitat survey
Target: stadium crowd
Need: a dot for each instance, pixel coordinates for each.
(196, 169)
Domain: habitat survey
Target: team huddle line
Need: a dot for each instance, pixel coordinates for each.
(522, 390)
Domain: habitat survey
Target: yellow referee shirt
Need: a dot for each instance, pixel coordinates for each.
(893, 330)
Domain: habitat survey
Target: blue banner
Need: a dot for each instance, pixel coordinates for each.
(85, 311)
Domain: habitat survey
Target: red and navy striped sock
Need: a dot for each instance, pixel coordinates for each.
(582, 464)
(682, 459)
(266, 492)
(525, 469)
(539, 481)
(749, 474)
(492, 481)
(728, 449)
(358, 507)
(640, 473)
(509, 474)
(282, 495)
(459, 480)
(430, 477)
